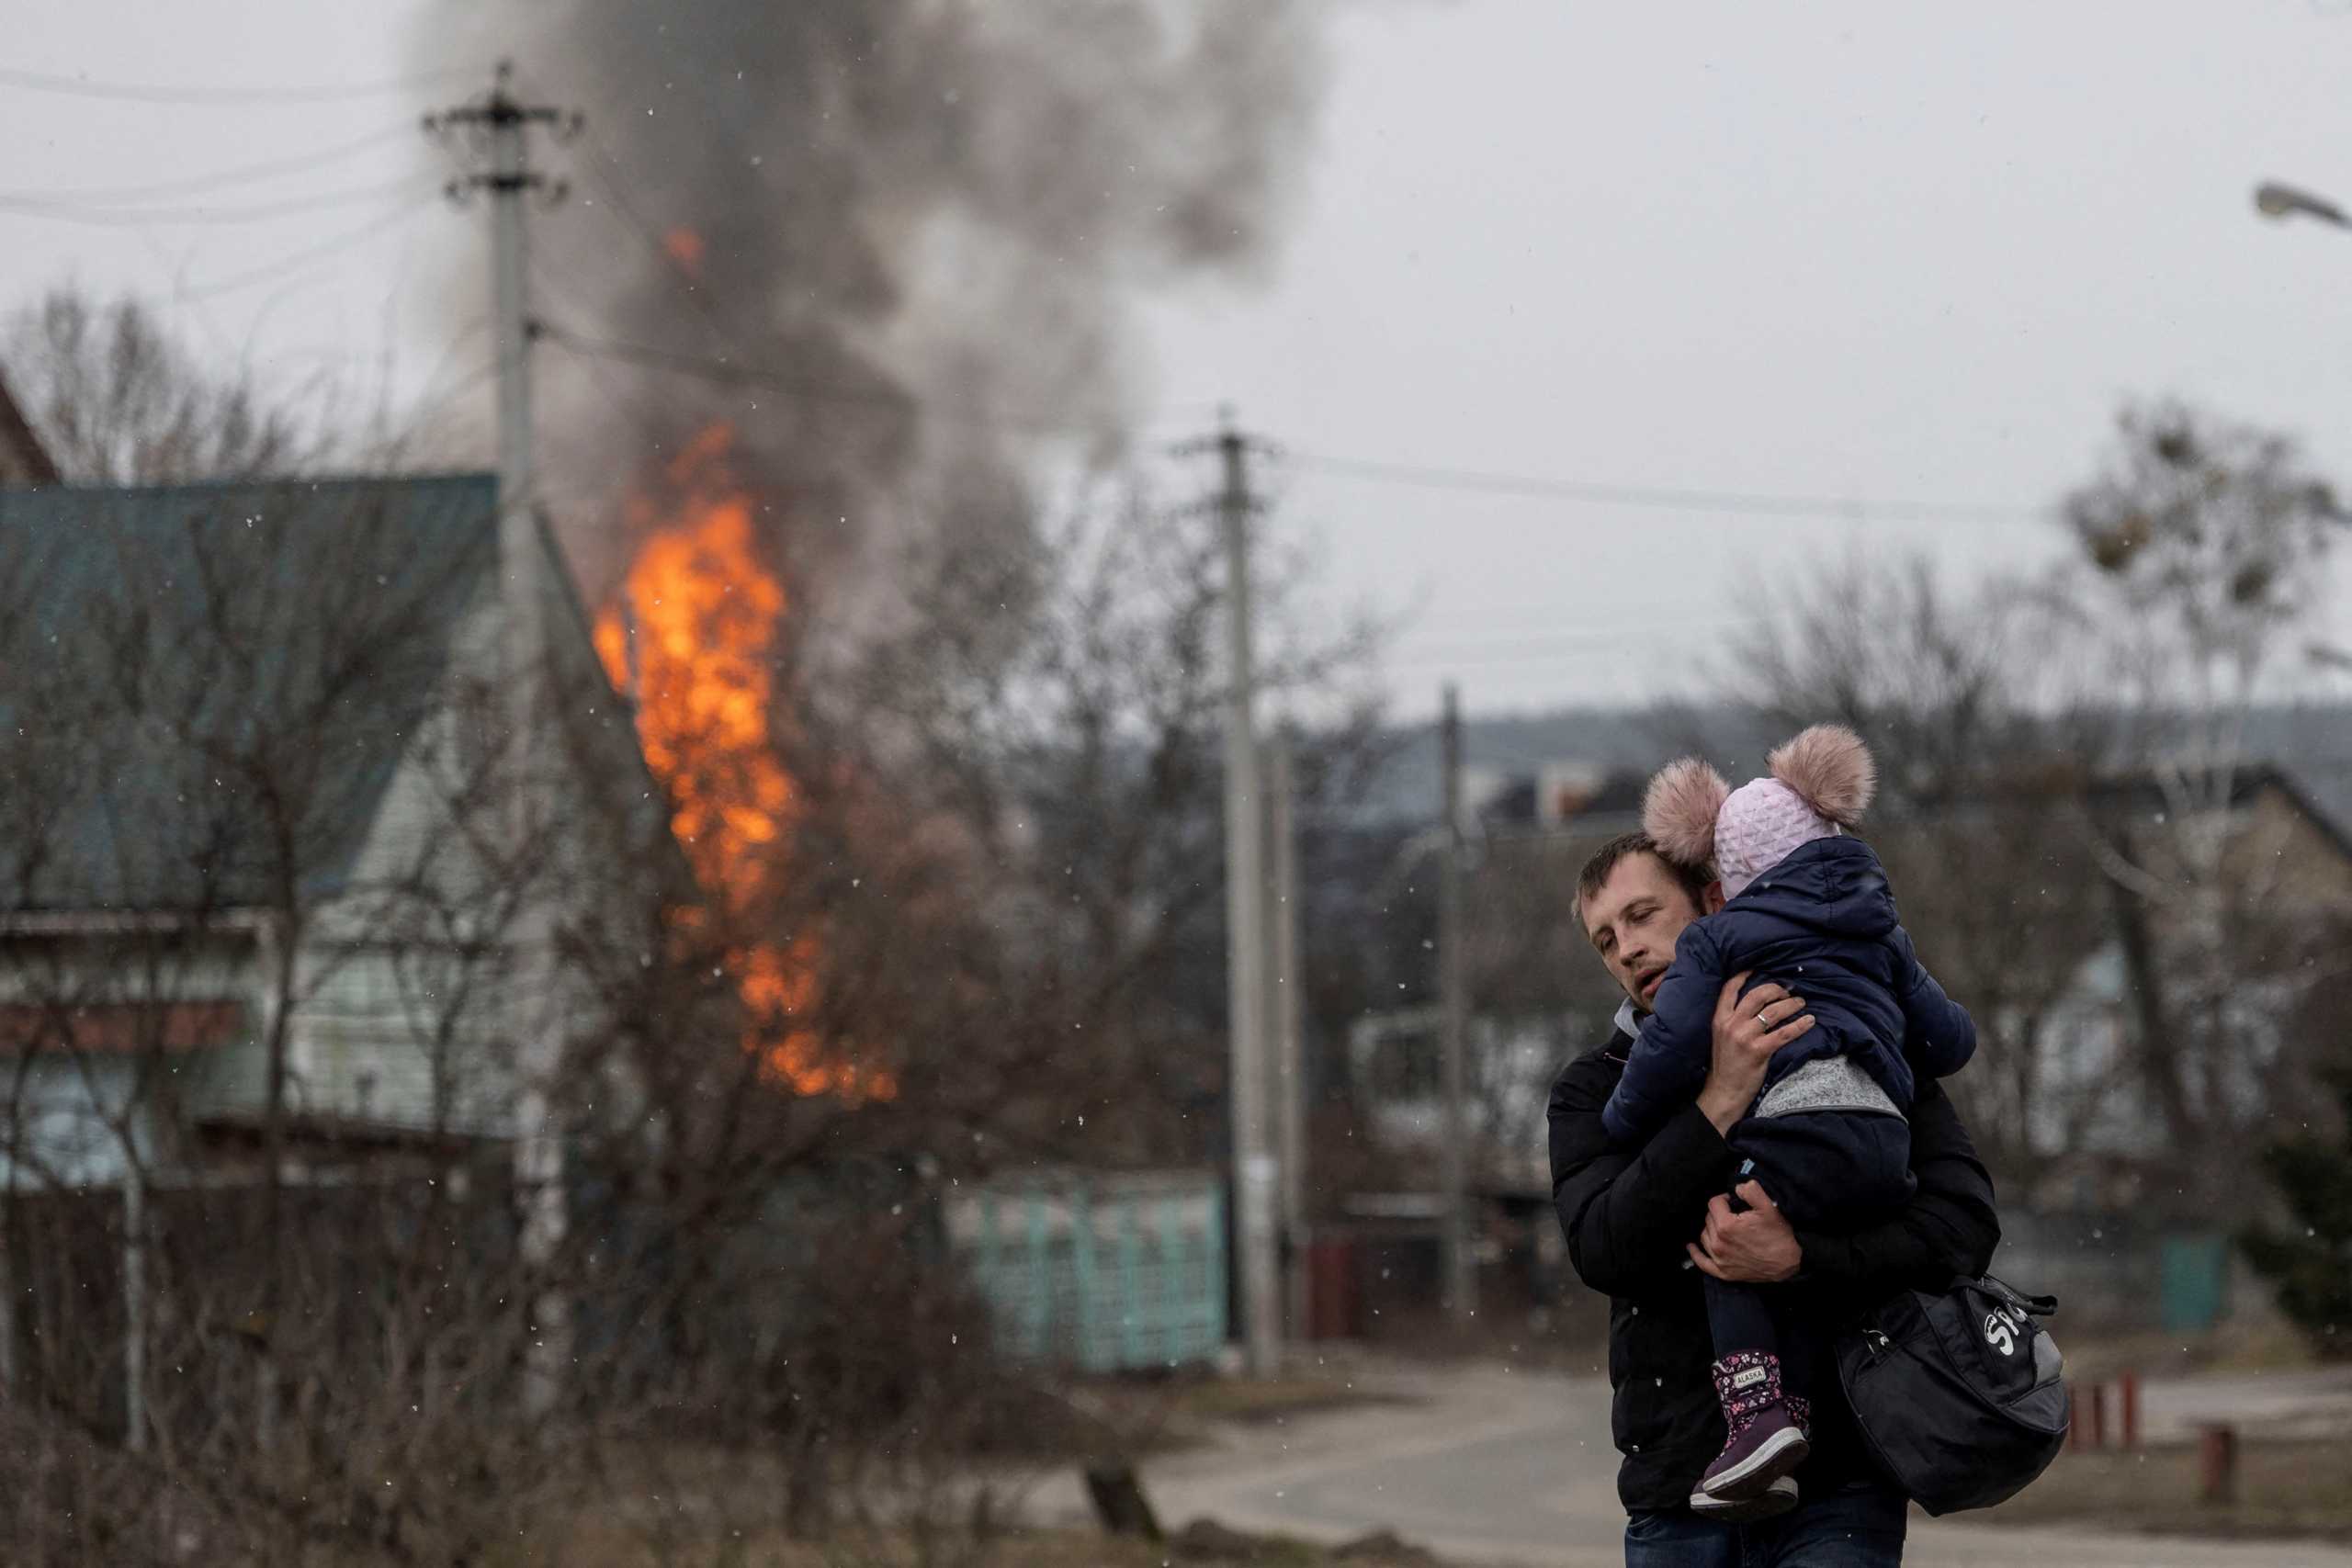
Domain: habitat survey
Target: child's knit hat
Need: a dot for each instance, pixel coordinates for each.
(1821, 783)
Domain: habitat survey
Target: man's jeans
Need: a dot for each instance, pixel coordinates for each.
(1860, 1527)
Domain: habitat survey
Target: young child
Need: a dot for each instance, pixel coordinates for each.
(1807, 907)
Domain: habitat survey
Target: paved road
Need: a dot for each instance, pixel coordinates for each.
(1492, 1465)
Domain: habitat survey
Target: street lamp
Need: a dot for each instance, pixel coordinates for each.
(2275, 200)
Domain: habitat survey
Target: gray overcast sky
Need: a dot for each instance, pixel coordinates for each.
(1843, 248)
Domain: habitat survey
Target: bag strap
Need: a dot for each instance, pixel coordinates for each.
(2034, 1306)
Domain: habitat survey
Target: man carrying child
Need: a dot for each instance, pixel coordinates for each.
(1652, 1218)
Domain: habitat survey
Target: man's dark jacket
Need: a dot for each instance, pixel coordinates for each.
(1627, 1217)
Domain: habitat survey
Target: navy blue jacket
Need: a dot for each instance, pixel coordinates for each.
(1820, 923)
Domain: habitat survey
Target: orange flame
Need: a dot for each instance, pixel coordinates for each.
(693, 635)
(685, 248)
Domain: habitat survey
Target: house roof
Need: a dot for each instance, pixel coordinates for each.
(2142, 793)
(202, 686)
(22, 457)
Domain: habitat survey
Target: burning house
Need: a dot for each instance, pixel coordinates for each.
(694, 637)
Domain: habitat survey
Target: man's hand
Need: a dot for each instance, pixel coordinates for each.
(1747, 1030)
(1757, 1248)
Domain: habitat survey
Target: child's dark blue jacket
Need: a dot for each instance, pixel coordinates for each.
(1822, 923)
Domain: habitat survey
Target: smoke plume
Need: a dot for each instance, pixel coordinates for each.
(914, 226)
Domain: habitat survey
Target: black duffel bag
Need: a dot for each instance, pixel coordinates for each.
(1960, 1393)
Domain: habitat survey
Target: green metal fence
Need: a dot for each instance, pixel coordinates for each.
(1098, 1271)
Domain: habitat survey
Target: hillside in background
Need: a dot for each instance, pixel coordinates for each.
(2312, 742)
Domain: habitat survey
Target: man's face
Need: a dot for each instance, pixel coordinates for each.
(1633, 922)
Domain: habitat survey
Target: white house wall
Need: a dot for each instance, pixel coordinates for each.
(75, 1115)
(1511, 1065)
(365, 1039)
(374, 1043)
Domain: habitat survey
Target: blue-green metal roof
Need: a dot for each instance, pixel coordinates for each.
(206, 689)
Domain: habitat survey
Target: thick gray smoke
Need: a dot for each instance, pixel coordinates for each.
(915, 224)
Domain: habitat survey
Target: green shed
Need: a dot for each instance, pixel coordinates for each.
(1097, 1271)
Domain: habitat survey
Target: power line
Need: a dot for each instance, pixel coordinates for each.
(198, 184)
(614, 398)
(135, 217)
(602, 372)
(1742, 502)
(420, 414)
(299, 260)
(1529, 618)
(617, 203)
(1586, 638)
(722, 372)
(1751, 503)
(465, 334)
(1509, 661)
(157, 93)
(727, 372)
(1612, 648)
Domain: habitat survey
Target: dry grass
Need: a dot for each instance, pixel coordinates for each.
(2284, 1489)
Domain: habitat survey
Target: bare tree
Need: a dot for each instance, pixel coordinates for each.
(2064, 776)
(2202, 542)
(117, 398)
(258, 800)
(1055, 717)
(2202, 539)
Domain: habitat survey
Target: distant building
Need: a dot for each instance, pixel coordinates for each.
(2101, 1127)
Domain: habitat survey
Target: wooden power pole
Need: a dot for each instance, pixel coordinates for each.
(1255, 1176)
(1286, 1029)
(503, 123)
(1461, 1269)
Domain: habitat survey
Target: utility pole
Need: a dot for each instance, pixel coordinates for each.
(1461, 1272)
(134, 1298)
(1246, 954)
(1285, 1028)
(524, 561)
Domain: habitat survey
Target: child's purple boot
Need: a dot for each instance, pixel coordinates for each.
(1765, 1441)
